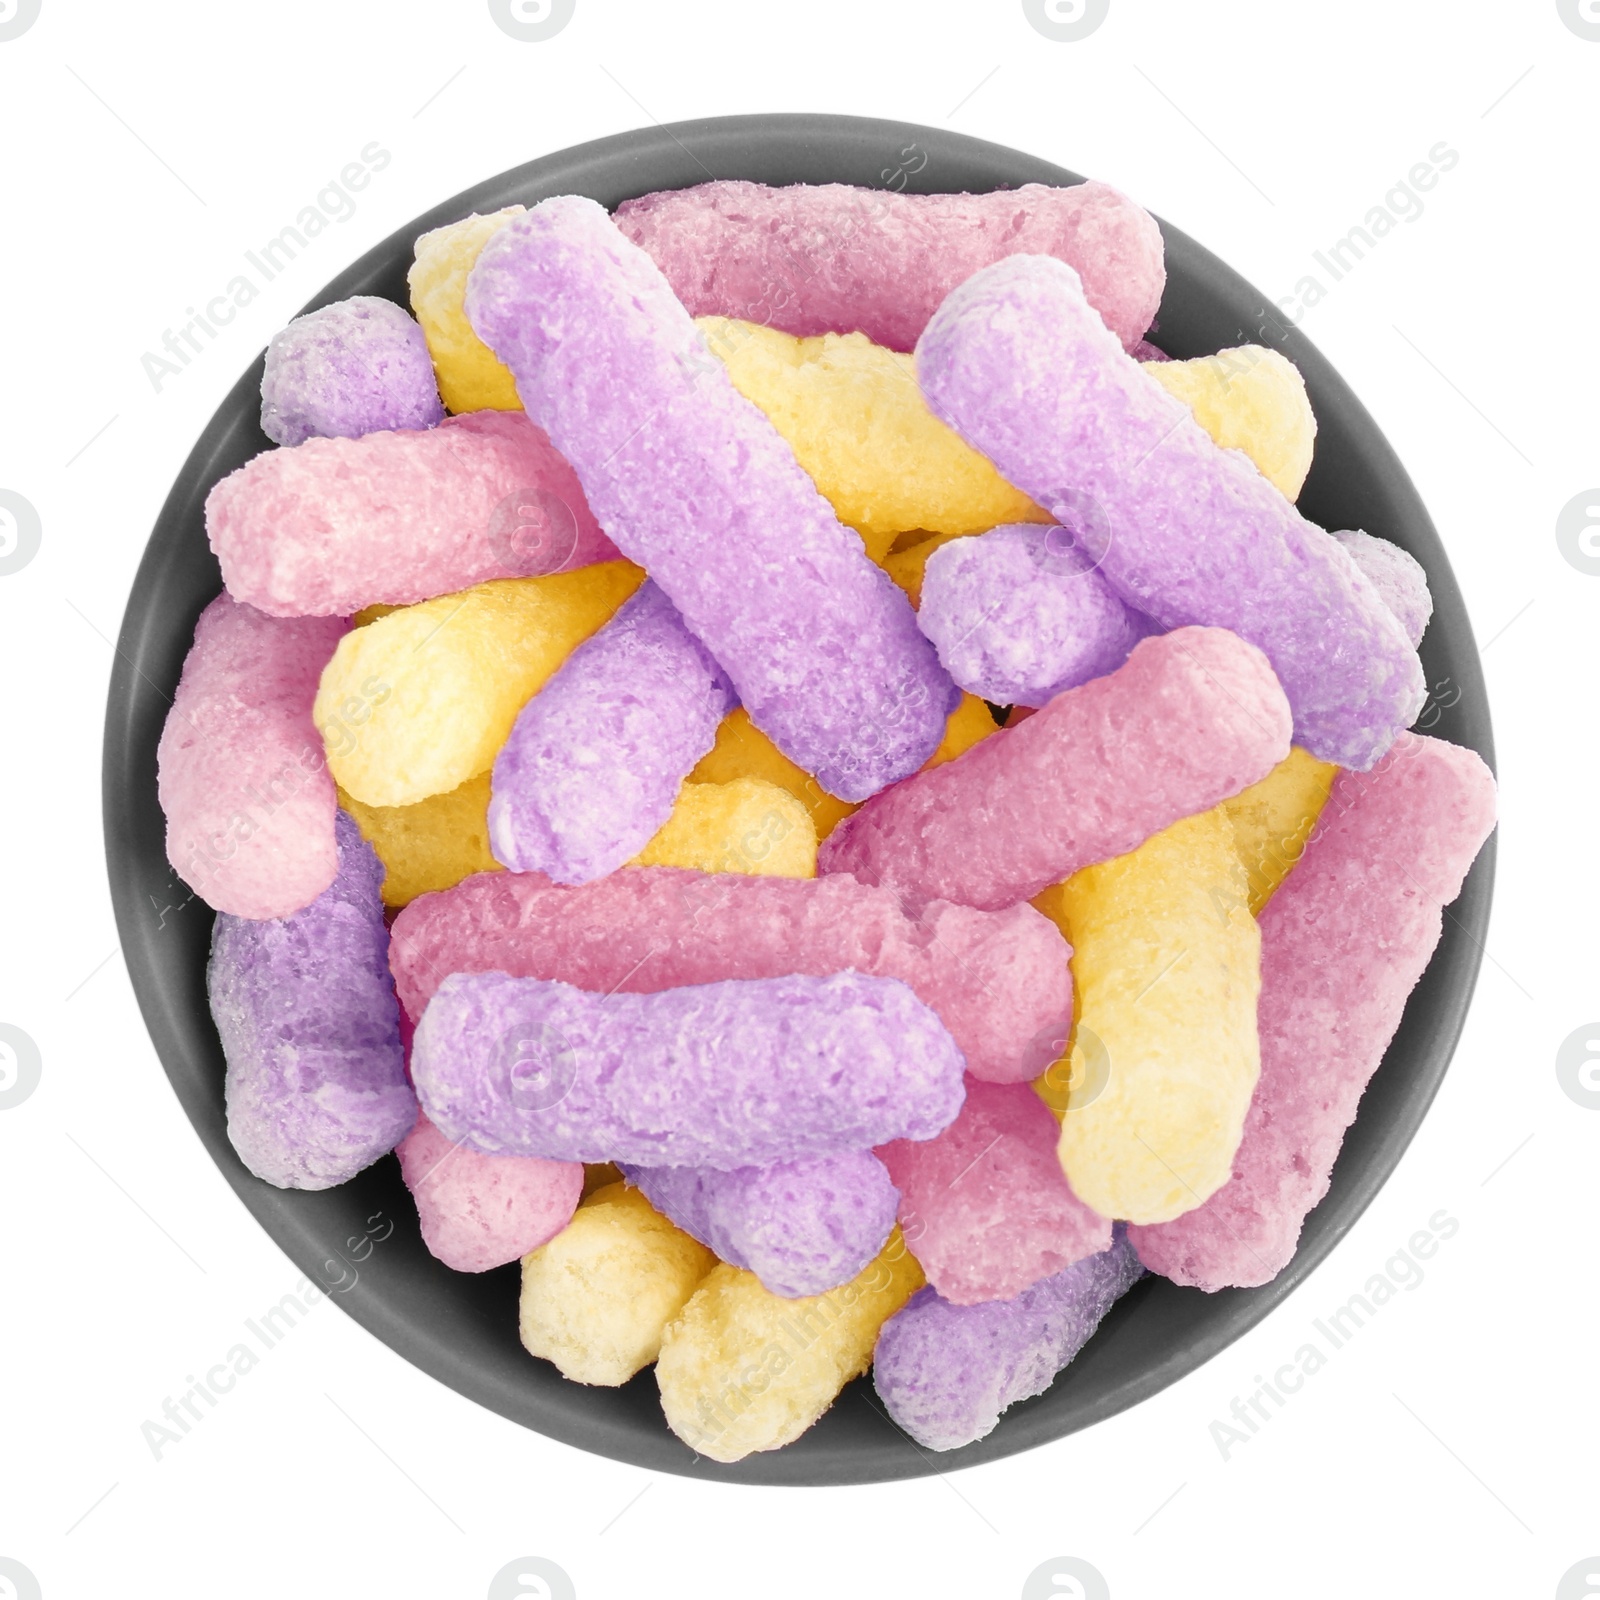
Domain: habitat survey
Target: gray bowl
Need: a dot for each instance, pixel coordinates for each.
(462, 1329)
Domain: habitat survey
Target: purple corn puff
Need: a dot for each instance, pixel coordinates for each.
(316, 1085)
(945, 1373)
(695, 484)
(1019, 363)
(358, 366)
(999, 981)
(803, 1227)
(1019, 613)
(595, 759)
(1397, 575)
(746, 1072)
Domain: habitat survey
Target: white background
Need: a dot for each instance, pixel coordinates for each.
(1447, 1449)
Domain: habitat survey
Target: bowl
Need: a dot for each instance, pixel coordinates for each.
(462, 1329)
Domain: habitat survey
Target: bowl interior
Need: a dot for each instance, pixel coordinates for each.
(462, 1329)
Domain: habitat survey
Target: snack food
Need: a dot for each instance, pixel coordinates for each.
(730, 1115)
(744, 808)
(695, 483)
(853, 415)
(354, 367)
(1166, 965)
(856, 420)
(999, 980)
(1019, 614)
(1018, 363)
(1273, 819)
(596, 1298)
(333, 525)
(802, 1227)
(478, 1211)
(907, 563)
(1398, 577)
(945, 1372)
(742, 750)
(737, 1073)
(595, 759)
(430, 845)
(305, 1006)
(470, 378)
(240, 770)
(743, 826)
(1343, 943)
(474, 1206)
(743, 1369)
(829, 258)
(1251, 399)
(420, 700)
(1190, 718)
(984, 1205)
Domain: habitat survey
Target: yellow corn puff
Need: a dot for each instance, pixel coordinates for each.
(740, 824)
(431, 845)
(596, 1298)
(742, 750)
(1273, 819)
(748, 825)
(1166, 969)
(854, 416)
(971, 721)
(907, 566)
(598, 1175)
(419, 701)
(743, 1369)
(470, 377)
(1251, 399)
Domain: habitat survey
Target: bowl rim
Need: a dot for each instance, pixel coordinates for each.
(854, 1442)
